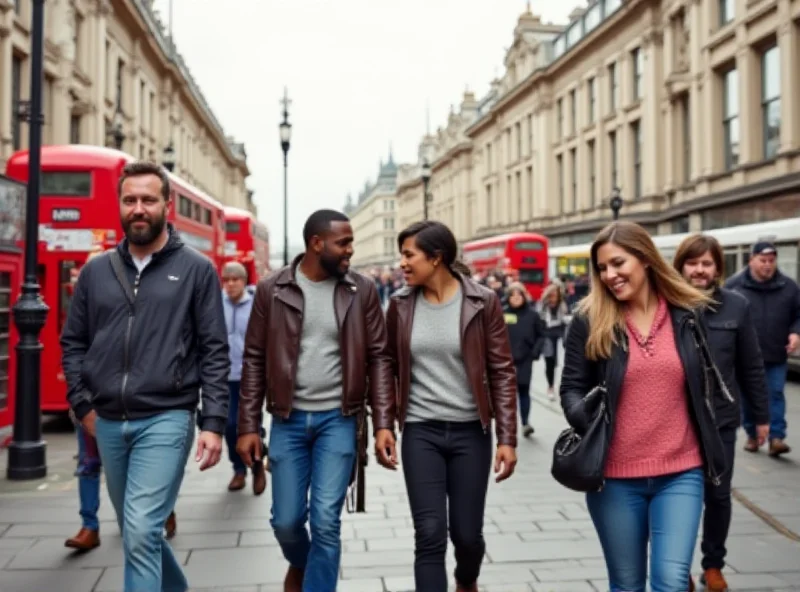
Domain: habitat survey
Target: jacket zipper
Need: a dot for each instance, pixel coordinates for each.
(127, 347)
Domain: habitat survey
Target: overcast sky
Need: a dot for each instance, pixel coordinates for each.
(359, 73)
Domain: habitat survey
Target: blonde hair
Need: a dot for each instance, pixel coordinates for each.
(604, 312)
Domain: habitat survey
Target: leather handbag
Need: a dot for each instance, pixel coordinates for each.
(579, 458)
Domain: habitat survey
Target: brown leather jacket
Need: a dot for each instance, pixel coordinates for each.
(272, 347)
(485, 348)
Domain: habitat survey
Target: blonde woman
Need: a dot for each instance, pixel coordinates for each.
(553, 311)
(638, 334)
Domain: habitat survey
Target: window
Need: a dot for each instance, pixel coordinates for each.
(591, 97)
(120, 70)
(573, 156)
(727, 10)
(560, 173)
(613, 88)
(686, 122)
(592, 174)
(75, 129)
(636, 133)
(771, 101)
(530, 135)
(531, 276)
(73, 184)
(612, 148)
(206, 217)
(637, 59)
(560, 123)
(232, 227)
(573, 105)
(730, 118)
(77, 29)
(16, 97)
(185, 206)
(518, 132)
(518, 181)
(528, 246)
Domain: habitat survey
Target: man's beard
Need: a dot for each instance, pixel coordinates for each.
(147, 236)
(709, 288)
(331, 265)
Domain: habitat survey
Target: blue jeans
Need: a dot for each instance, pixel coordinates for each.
(776, 381)
(316, 452)
(88, 474)
(664, 511)
(144, 461)
(230, 429)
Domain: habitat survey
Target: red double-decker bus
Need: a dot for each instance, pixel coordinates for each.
(12, 231)
(523, 255)
(247, 241)
(78, 214)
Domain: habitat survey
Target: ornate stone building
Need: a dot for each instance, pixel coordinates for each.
(687, 107)
(108, 66)
(373, 218)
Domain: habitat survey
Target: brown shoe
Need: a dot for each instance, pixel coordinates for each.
(714, 581)
(751, 445)
(259, 478)
(778, 447)
(85, 540)
(294, 580)
(171, 525)
(237, 482)
(461, 588)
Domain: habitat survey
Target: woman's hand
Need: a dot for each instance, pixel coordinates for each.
(504, 462)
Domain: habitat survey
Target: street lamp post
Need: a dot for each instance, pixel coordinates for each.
(615, 202)
(168, 158)
(26, 453)
(286, 137)
(426, 178)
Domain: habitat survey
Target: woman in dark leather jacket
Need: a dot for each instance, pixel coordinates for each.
(637, 333)
(455, 373)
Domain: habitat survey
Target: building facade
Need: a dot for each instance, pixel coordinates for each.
(689, 108)
(111, 67)
(373, 218)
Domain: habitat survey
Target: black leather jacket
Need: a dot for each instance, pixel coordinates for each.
(580, 375)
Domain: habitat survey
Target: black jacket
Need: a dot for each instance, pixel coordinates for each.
(775, 307)
(734, 345)
(129, 366)
(525, 331)
(580, 375)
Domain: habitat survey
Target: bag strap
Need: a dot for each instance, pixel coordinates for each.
(705, 354)
(119, 271)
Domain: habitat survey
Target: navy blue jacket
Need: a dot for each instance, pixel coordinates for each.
(133, 365)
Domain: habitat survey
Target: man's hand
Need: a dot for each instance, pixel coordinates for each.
(209, 450)
(504, 462)
(762, 433)
(249, 447)
(88, 423)
(794, 343)
(386, 449)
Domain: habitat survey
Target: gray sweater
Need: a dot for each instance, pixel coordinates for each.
(439, 386)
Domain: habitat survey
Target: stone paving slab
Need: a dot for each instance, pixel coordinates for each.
(539, 536)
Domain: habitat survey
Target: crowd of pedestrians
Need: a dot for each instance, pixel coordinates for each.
(661, 365)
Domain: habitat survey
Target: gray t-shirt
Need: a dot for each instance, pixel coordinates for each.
(318, 382)
(440, 389)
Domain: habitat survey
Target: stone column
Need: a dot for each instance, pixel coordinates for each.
(750, 146)
(5, 94)
(789, 49)
(650, 124)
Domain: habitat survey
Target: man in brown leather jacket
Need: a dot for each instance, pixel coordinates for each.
(316, 349)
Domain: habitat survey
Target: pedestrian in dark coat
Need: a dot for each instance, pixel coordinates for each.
(526, 333)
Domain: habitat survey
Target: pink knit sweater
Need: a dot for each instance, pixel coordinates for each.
(653, 431)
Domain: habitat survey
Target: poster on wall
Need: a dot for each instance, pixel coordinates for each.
(12, 213)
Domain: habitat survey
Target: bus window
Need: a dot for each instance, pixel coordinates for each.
(531, 276)
(528, 246)
(67, 276)
(232, 227)
(69, 184)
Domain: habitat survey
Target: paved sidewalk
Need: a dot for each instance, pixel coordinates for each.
(539, 536)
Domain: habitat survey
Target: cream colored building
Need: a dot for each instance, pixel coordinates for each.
(110, 61)
(373, 218)
(689, 108)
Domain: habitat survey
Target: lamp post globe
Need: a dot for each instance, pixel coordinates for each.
(285, 131)
(168, 158)
(615, 203)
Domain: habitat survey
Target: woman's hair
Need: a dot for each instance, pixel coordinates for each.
(604, 312)
(549, 290)
(696, 245)
(435, 240)
(518, 287)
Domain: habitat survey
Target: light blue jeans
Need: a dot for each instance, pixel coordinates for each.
(144, 462)
(88, 473)
(664, 511)
(311, 452)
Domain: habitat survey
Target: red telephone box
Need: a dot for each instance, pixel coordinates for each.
(12, 232)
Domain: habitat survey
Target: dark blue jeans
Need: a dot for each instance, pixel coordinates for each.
(311, 455)
(230, 428)
(776, 382)
(662, 511)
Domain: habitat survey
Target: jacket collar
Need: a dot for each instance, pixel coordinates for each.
(245, 297)
(288, 275)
